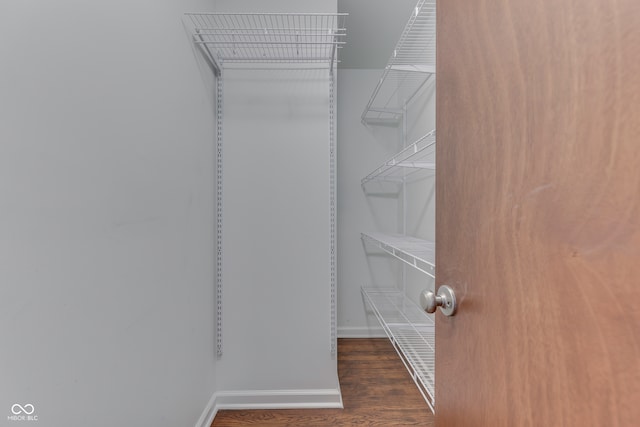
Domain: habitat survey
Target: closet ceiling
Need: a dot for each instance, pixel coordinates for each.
(373, 28)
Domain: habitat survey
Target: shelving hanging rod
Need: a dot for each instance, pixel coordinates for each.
(310, 32)
(267, 14)
(265, 42)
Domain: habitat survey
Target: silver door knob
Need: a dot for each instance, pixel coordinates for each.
(445, 299)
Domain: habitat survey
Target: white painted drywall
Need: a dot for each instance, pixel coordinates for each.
(276, 303)
(276, 232)
(361, 149)
(421, 193)
(106, 214)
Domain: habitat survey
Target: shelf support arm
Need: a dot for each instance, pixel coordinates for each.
(333, 52)
(211, 59)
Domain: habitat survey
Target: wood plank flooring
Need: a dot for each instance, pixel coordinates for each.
(376, 391)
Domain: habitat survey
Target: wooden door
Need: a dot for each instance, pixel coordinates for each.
(538, 212)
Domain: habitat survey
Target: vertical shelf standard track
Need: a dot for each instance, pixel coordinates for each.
(332, 214)
(219, 164)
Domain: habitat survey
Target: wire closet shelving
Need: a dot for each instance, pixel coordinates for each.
(410, 67)
(418, 253)
(410, 71)
(411, 332)
(418, 156)
(270, 38)
(280, 41)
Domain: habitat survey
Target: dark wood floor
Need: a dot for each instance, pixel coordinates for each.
(376, 391)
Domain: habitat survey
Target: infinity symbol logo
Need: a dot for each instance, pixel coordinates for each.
(17, 409)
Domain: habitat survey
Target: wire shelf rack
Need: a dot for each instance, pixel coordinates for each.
(411, 66)
(418, 253)
(291, 38)
(416, 157)
(412, 333)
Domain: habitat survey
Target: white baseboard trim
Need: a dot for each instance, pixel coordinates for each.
(279, 399)
(269, 399)
(361, 332)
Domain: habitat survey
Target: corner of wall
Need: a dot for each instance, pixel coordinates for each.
(209, 413)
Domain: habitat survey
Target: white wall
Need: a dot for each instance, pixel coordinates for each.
(106, 214)
(276, 304)
(276, 233)
(361, 149)
(421, 193)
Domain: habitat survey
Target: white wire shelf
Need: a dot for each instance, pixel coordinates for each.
(291, 38)
(418, 253)
(411, 66)
(412, 333)
(418, 156)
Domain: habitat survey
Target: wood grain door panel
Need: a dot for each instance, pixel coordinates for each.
(538, 213)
